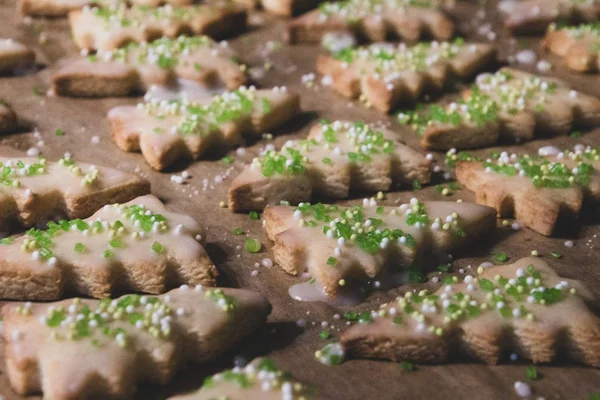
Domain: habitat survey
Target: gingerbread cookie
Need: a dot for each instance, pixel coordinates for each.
(343, 248)
(579, 46)
(167, 131)
(34, 190)
(523, 307)
(8, 118)
(14, 56)
(336, 158)
(373, 21)
(537, 191)
(137, 246)
(80, 348)
(385, 75)
(60, 8)
(534, 16)
(134, 68)
(259, 380)
(509, 104)
(108, 28)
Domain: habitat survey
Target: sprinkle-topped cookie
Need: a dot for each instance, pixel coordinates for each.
(508, 104)
(14, 56)
(108, 28)
(524, 303)
(373, 20)
(337, 157)
(166, 131)
(343, 247)
(259, 380)
(384, 75)
(537, 191)
(8, 118)
(534, 16)
(35, 189)
(119, 343)
(136, 67)
(136, 246)
(60, 8)
(578, 45)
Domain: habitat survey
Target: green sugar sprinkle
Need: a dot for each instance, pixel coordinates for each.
(252, 245)
(532, 373)
(157, 248)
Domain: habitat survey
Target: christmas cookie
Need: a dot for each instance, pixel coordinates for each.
(137, 246)
(259, 380)
(108, 28)
(167, 131)
(336, 158)
(344, 248)
(8, 118)
(538, 191)
(132, 69)
(523, 307)
(14, 55)
(34, 190)
(579, 46)
(509, 104)
(373, 21)
(80, 348)
(385, 75)
(534, 16)
(60, 8)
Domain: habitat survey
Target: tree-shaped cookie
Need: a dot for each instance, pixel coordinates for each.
(137, 246)
(523, 307)
(60, 8)
(579, 45)
(343, 248)
(8, 118)
(108, 28)
(134, 68)
(78, 348)
(373, 21)
(167, 131)
(509, 104)
(385, 75)
(14, 55)
(336, 158)
(538, 191)
(34, 190)
(259, 380)
(534, 16)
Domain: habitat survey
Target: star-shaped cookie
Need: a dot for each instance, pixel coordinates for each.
(523, 307)
(259, 380)
(534, 16)
(168, 131)
(8, 118)
(34, 190)
(134, 68)
(385, 75)
(508, 105)
(373, 21)
(336, 158)
(79, 348)
(14, 56)
(539, 192)
(344, 248)
(137, 246)
(579, 45)
(109, 28)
